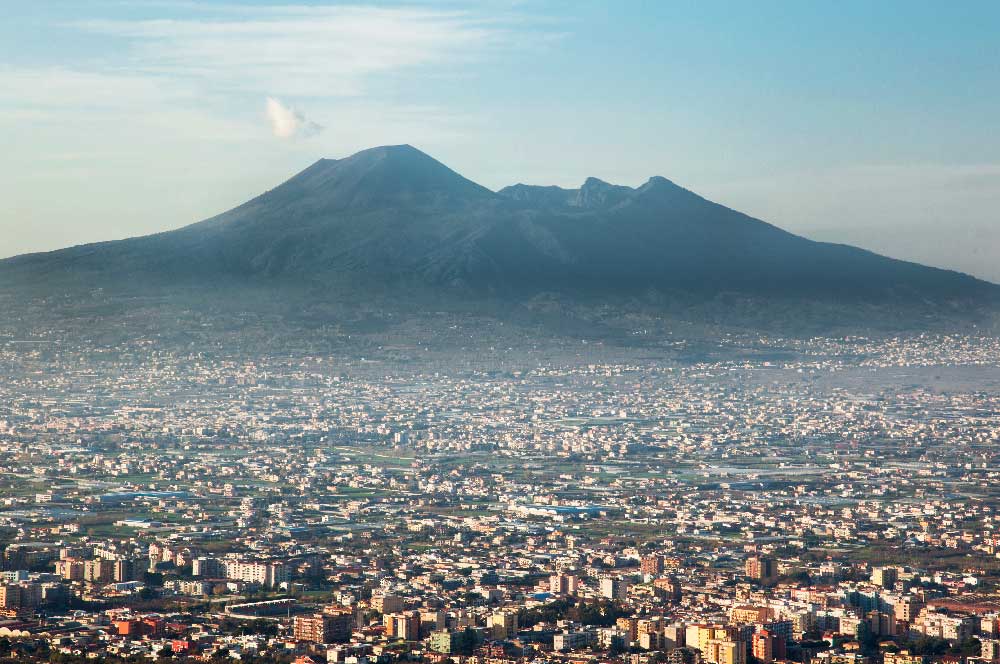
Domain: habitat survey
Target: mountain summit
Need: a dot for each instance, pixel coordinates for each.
(393, 217)
(379, 177)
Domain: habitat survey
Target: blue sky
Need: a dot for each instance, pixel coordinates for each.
(874, 124)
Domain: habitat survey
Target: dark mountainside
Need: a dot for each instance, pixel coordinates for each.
(391, 221)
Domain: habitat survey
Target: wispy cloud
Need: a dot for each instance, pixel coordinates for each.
(287, 122)
(113, 104)
(209, 66)
(220, 59)
(303, 51)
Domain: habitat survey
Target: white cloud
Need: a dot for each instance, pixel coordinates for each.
(287, 122)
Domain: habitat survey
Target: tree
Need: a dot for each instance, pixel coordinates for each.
(867, 639)
(970, 647)
(466, 642)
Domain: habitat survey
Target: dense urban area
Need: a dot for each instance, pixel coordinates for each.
(751, 500)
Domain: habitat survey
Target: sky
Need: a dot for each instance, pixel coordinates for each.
(869, 123)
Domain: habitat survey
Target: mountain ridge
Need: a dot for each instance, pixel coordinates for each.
(393, 216)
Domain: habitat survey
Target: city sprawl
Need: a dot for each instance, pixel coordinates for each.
(750, 500)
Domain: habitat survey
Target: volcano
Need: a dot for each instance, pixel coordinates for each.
(393, 217)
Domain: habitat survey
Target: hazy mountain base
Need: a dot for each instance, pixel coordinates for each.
(407, 322)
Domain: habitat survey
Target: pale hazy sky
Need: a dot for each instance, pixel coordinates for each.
(870, 123)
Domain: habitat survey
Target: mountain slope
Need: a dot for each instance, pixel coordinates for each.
(393, 216)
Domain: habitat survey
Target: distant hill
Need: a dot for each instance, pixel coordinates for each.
(393, 218)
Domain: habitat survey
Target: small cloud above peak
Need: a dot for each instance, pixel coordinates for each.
(287, 122)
